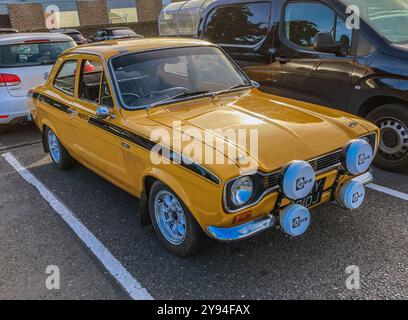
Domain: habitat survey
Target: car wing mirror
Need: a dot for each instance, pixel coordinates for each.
(324, 42)
(104, 113)
(255, 84)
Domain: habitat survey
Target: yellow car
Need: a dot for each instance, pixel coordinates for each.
(178, 124)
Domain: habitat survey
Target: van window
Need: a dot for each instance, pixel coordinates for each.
(238, 24)
(304, 20)
(65, 79)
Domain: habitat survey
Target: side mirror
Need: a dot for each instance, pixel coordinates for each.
(255, 84)
(324, 42)
(103, 113)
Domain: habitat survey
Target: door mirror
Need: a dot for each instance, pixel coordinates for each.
(103, 113)
(255, 84)
(324, 42)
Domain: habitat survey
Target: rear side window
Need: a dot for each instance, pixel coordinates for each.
(32, 54)
(238, 24)
(304, 20)
(65, 79)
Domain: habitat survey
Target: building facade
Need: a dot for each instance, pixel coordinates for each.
(38, 14)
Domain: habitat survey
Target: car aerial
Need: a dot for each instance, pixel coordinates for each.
(73, 33)
(114, 33)
(306, 51)
(7, 31)
(140, 112)
(25, 62)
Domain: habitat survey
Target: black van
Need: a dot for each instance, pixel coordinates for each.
(304, 49)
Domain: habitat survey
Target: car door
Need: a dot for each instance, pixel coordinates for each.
(97, 147)
(300, 72)
(60, 97)
(242, 29)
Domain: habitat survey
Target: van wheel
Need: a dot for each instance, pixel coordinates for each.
(59, 154)
(173, 222)
(392, 119)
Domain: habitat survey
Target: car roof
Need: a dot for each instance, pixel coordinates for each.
(64, 31)
(116, 28)
(108, 49)
(16, 38)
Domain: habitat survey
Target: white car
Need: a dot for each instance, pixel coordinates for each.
(25, 62)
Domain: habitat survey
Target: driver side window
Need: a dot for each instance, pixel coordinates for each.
(93, 86)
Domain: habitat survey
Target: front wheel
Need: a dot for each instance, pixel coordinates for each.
(59, 155)
(392, 119)
(173, 222)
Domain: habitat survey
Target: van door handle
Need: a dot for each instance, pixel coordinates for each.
(283, 60)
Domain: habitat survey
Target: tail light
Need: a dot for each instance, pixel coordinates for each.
(89, 67)
(8, 80)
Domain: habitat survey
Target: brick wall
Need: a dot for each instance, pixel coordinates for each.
(149, 10)
(26, 15)
(4, 21)
(93, 12)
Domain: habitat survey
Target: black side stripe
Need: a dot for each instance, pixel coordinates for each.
(51, 102)
(134, 138)
(148, 145)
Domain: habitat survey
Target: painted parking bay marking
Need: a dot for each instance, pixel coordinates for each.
(391, 192)
(116, 269)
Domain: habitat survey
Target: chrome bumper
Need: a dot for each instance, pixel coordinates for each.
(242, 231)
(364, 179)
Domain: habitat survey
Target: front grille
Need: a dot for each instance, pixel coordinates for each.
(271, 180)
(319, 165)
(326, 162)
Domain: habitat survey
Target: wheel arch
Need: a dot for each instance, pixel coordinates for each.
(374, 102)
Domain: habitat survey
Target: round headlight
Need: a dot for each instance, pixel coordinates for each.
(242, 190)
(358, 156)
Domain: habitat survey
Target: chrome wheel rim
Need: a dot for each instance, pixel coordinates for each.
(394, 139)
(170, 217)
(54, 146)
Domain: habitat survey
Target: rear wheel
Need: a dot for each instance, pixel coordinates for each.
(392, 119)
(173, 222)
(59, 154)
(3, 128)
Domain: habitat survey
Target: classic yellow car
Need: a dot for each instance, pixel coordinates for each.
(178, 124)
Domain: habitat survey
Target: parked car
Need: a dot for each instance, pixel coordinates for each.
(114, 33)
(115, 117)
(73, 33)
(304, 50)
(25, 62)
(7, 31)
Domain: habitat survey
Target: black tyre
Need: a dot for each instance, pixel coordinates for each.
(392, 119)
(3, 128)
(59, 154)
(173, 223)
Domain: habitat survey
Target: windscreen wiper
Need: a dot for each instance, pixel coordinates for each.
(180, 96)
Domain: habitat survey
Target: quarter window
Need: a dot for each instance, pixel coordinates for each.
(65, 79)
(238, 24)
(304, 20)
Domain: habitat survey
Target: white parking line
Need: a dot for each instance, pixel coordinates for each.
(391, 192)
(117, 270)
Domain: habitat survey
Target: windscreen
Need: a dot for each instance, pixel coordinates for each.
(164, 75)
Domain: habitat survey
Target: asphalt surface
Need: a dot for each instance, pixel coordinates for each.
(269, 266)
